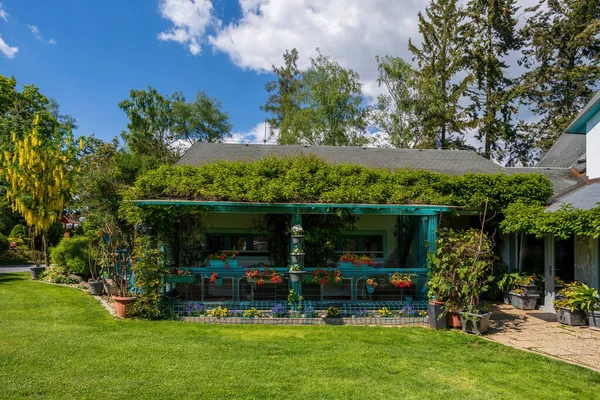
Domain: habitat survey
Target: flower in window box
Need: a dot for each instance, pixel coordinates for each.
(213, 277)
(400, 280)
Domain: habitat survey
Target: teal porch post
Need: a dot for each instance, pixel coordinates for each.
(432, 227)
(296, 220)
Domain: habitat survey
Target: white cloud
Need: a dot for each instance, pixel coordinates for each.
(3, 13)
(190, 19)
(255, 135)
(36, 32)
(7, 50)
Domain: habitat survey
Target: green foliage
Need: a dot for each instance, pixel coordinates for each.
(333, 312)
(158, 122)
(57, 274)
(320, 106)
(309, 179)
(19, 232)
(567, 221)
(149, 270)
(562, 60)
(441, 58)
(490, 34)
(460, 269)
(578, 297)
(71, 254)
(13, 257)
(398, 114)
(3, 243)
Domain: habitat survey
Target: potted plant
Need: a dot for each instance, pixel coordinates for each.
(349, 260)
(459, 274)
(225, 258)
(521, 300)
(528, 283)
(297, 255)
(401, 281)
(37, 257)
(214, 278)
(576, 303)
(506, 283)
(94, 282)
(371, 284)
(436, 312)
(297, 273)
(297, 234)
(181, 275)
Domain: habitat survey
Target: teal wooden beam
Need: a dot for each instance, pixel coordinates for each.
(301, 208)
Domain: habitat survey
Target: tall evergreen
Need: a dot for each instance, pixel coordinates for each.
(490, 34)
(562, 56)
(283, 101)
(441, 58)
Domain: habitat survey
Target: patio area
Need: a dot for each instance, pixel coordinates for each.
(539, 332)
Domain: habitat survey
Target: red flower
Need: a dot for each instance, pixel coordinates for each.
(213, 277)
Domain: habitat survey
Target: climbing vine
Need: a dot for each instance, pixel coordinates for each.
(535, 220)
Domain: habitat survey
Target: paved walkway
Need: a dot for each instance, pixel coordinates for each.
(7, 269)
(539, 332)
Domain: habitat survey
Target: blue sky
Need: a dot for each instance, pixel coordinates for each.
(89, 54)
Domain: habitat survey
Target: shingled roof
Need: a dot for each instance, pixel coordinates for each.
(567, 152)
(585, 198)
(452, 162)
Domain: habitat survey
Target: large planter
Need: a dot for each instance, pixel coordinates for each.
(435, 311)
(524, 301)
(529, 290)
(181, 279)
(594, 319)
(575, 318)
(477, 323)
(453, 319)
(297, 239)
(297, 276)
(223, 264)
(123, 305)
(96, 288)
(36, 271)
(297, 258)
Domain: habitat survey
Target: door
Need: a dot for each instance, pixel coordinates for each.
(585, 260)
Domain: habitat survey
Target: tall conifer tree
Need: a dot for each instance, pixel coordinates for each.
(489, 35)
(440, 59)
(562, 55)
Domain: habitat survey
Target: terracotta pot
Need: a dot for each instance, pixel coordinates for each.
(122, 305)
(453, 320)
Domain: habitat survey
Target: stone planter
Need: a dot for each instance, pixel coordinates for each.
(477, 323)
(36, 271)
(435, 311)
(123, 305)
(96, 288)
(297, 259)
(575, 318)
(524, 301)
(297, 239)
(297, 276)
(594, 319)
(529, 290)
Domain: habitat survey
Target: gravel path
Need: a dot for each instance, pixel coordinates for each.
(539, 332)
(6, 269)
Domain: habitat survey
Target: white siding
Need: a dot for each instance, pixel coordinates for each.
(592, 143)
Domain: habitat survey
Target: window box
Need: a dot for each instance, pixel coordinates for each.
(223, 264)
(181, 279)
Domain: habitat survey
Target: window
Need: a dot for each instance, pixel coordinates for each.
(242, 242)
(370, 244)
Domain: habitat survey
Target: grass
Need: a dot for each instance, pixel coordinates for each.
(58, 342)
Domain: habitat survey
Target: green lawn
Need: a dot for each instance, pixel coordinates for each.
(58, 342)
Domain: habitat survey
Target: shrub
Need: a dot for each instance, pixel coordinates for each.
(72, 255)
(12, 257)
(3, 243)
(57, 274)
(19, 232)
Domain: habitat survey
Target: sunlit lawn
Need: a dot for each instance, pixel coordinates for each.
(58, 342)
